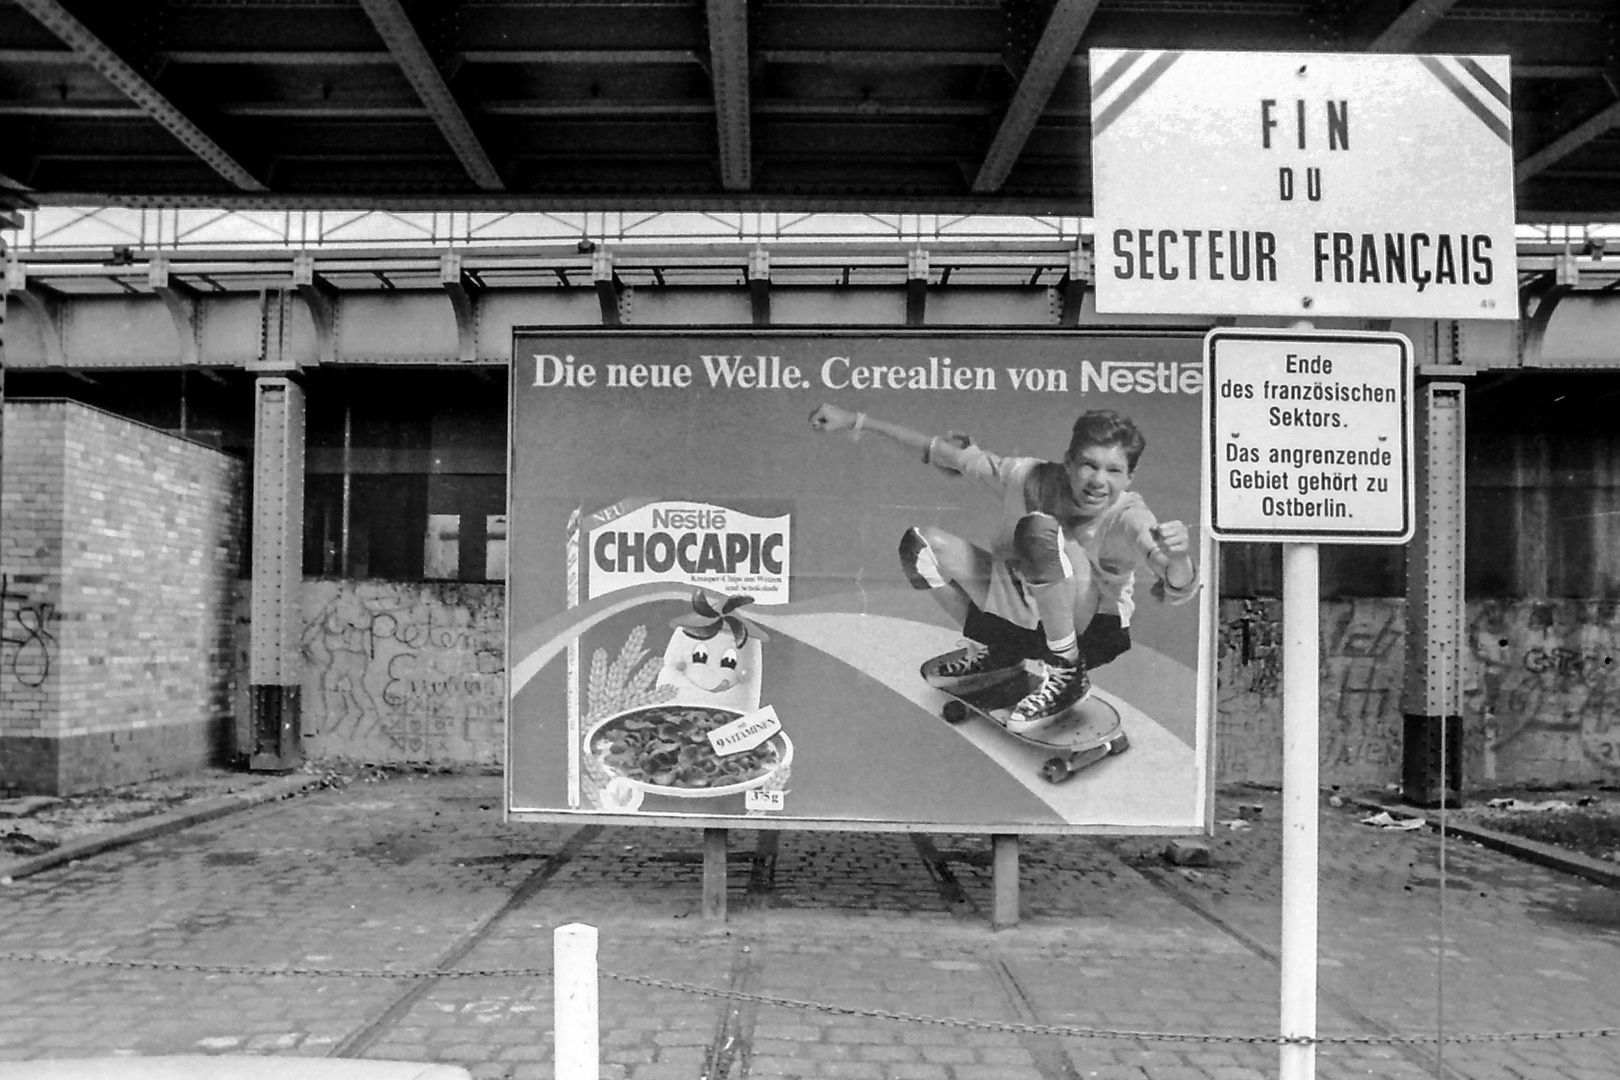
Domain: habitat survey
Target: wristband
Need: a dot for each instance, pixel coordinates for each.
(855, 432)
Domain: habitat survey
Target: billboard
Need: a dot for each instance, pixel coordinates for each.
(745, 567)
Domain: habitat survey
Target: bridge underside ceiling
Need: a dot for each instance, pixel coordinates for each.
(953, 106)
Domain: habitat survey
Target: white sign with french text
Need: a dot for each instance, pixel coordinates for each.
(1303, 184)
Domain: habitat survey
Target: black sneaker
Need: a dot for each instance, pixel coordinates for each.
(974, 666)
(1064, 686)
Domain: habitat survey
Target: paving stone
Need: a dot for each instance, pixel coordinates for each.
(399, 873)
(905, 1070)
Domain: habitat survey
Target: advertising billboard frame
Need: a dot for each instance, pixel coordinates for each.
(523, 662)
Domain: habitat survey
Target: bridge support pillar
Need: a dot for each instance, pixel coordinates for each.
(1431, 759)
(278, 556)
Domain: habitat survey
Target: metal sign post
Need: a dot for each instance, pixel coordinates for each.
(1309, 439)
(1301, 627)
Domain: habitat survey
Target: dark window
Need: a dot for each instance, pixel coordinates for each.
(466, 528)
(1345, 570)
(1544, 485)
(405, 475)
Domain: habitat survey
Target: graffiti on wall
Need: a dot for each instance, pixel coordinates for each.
(27, 639)
(417, 672)
(1546, 687)
(404, 672)
(1361, 668)
(1248, 732)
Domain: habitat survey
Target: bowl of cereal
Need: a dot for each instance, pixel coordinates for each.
(665, 750)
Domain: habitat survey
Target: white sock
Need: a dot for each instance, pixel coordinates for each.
(1066, 647)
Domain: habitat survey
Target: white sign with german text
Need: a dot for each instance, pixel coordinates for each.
(1303, 184)
(1309, 436)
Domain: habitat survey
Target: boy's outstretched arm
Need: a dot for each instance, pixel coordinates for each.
(1172, 559)
(942, 451)
(833, 418)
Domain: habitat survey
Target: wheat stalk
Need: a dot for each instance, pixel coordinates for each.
(596, 685)
(623, 684)
(630, 655)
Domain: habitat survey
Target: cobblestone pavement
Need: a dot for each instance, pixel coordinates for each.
(419, 873)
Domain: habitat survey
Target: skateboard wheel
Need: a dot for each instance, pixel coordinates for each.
(1120, 744)
(1055, 770)
(955, 712)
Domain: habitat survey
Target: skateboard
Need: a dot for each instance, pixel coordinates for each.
(1081, 737)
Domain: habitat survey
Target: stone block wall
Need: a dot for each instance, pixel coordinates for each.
(119, 546)
(397, 672)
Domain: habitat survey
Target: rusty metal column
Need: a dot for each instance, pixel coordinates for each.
(9, 219)
(1431, 757)
(278, 573)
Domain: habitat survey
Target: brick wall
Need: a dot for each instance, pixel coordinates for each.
(120, 557)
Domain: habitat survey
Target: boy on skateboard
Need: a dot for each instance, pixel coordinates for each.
(1057, 583)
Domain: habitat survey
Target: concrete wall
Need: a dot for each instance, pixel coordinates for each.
(404, 672)
(1544, 690)
(119, 553)
(1540, 682)
(417, 672)
(1362, 669)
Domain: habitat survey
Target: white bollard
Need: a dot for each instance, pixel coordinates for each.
(574, 1004)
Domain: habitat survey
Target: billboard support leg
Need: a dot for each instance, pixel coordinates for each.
(1004, 873)
(714, 874)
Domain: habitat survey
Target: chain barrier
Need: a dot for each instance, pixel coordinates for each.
(1003, 1026)
(277, 970)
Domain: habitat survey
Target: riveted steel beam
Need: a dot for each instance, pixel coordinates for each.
(463, 290)
(274, 656)
(42, 304)
(759, 285)
(917, 287)
(276, 352)
(135, 86)
(1593, 127)
(1435, 618)
(1076, 280)
(1050, 59)
(1415, 20)
(5, 288)
(586, 57)
(322, 300)
(72, 110)
(611, 293)
(729, 72)
(403, 41)
(181, 300)
(283, 57)
(1538, 299)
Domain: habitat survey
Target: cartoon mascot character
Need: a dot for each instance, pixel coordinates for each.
(713, 658)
